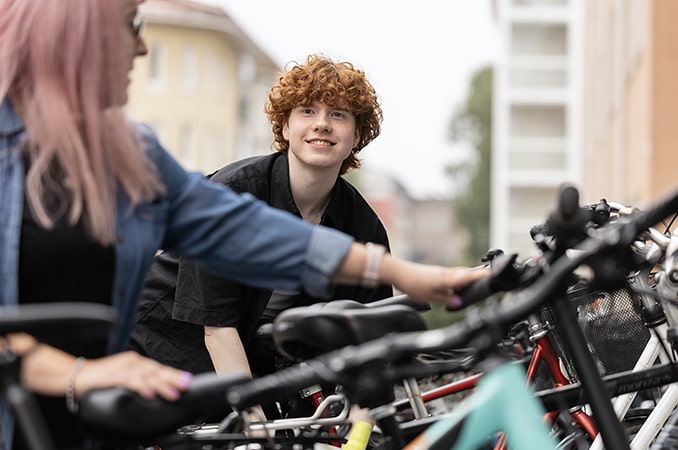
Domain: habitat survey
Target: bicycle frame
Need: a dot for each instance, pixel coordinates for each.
(543, 352)
(669, 399)
(501, 402)
(84, 320)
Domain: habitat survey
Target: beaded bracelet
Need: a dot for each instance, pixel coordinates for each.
(71, 404)
(373, 259)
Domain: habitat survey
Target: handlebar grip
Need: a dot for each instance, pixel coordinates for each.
(477, 291)
(568, 206)
(283, 383)
(124, 415)
(541, 229)
(504, 277)
(48, 321)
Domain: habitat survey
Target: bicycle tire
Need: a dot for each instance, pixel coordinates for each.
(668, 436)
(634, 419)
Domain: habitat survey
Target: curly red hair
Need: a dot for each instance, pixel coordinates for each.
(334, 84)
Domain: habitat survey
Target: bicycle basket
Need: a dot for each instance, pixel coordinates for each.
(612, 326)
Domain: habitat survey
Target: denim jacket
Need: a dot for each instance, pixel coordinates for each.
(235, 235)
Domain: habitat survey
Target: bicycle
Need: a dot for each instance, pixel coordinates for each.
(386, 360)
(307, 327)
(610, 246)
(548, 349)
(118, 413)
(81, 320)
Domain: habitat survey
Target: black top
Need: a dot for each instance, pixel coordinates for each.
(63, 265)
(180, 297)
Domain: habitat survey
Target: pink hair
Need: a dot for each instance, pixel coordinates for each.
(60, 64)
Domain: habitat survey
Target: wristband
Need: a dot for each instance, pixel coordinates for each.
(373, 258)
(71, 404)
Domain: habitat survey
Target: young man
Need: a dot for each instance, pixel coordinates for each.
(322, 113)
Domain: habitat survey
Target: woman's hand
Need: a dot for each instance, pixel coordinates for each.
(429, 283)
(146, 377)
(48, 370)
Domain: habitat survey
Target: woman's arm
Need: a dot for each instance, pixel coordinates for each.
(426, 283)
(49, 371)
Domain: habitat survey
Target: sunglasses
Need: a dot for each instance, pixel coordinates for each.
(138, 25)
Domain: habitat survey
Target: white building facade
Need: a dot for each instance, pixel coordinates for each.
(536, 115)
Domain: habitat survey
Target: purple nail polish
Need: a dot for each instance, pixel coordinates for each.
(455, 302)
(173, 394)
(185, 380)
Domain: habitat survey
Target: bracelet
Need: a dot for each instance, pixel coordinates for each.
(71, 404)
(373, 259)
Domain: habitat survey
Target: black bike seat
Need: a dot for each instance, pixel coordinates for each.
(121, 415)
(265, 331)
(402, 300)
(305, 332)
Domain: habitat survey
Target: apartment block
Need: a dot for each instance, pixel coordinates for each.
(536, 110)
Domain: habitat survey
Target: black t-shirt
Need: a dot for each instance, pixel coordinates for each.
(63, 265)
(180, 297)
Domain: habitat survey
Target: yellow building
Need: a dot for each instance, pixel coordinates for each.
(630, 107)
(202, 86)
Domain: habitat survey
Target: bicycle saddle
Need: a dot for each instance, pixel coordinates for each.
(265, 331)
(121, 415)
(403, 299)
(305, 332)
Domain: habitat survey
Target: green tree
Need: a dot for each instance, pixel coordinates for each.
(472, 125)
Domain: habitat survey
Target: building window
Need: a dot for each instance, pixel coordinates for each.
(189, 69)
(538, 40)
(537, 138)
(212, 74)
(539, 74)
(187, 146)
(531, 202)
(537, 121)
(212, 156)
(157, 64)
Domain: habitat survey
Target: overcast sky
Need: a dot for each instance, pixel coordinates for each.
(419, 55)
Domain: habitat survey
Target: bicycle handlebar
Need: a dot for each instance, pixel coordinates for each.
(607, 243)
(504, 276)
(569, 223)
(122, 414)
(51, 320)
(483, 328)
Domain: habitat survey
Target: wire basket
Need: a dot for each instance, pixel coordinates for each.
(612, 326)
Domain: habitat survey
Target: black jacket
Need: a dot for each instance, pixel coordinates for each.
(180, 296)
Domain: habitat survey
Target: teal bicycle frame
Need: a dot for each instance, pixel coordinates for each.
(502, 402)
